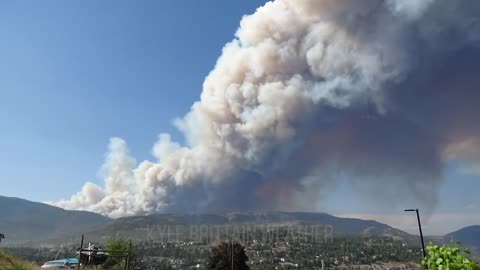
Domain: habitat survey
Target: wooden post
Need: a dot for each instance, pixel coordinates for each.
(127, 259)
(129, 253)
(80, 254)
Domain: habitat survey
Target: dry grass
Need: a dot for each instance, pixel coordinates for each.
(8, 262)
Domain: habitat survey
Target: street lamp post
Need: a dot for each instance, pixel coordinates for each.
(420, 229)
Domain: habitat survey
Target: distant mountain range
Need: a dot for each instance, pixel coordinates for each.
(469, 236)
(23, 221)
(27, 223)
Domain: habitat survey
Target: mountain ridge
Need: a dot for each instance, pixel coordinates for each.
(24, 221)
(469, 236)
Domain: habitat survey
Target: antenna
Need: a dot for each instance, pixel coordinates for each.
(59, 249)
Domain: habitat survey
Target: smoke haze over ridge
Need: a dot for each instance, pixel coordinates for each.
(309, 91)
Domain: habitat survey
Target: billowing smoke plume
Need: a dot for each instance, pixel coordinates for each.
(379, 92)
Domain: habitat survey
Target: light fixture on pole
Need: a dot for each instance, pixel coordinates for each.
(420, 229)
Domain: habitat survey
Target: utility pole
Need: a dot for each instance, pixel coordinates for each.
(80, 254)
(420, 229)
(232, 254)
(127, 259)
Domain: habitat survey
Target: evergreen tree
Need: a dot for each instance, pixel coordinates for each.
(222, 254)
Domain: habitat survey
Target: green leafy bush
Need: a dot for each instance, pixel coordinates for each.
(449, 258)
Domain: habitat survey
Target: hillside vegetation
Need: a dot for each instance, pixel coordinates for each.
(8, 262)
(23, 221)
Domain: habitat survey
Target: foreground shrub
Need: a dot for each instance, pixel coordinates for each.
(9, 262)
(449, 258)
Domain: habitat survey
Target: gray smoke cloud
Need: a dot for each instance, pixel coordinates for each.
(381, 93)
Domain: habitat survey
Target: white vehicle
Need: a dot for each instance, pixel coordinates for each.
(59, 264)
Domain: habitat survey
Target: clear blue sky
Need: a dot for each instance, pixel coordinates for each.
(75, 73)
